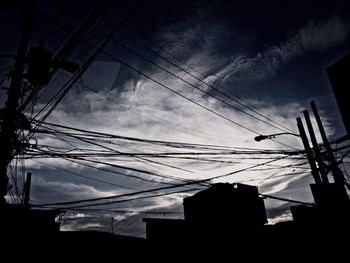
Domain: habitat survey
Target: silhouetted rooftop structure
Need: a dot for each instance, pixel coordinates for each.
(234, 215)
(165, 229)
(226, 203)
(332, 206)
(222, 210)
(32, 234)
(17, 219)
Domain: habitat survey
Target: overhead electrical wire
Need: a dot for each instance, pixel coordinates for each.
(128, 200)
(123, 167)
(122, 211)
(118, 173)
(166, 187)
(84, 176)
(152, 196)
(287, 200)
(276, 176)
(133, 156)
(62, 155)
(168, 143)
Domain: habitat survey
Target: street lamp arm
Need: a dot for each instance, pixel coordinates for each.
(263, 137)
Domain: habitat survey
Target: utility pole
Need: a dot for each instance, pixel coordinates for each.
(338, 175)
(331, 199)
(321, 165)
(327, 196)
(309, 155)
(8, 137)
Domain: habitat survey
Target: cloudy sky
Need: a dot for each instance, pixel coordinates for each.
(199, 72)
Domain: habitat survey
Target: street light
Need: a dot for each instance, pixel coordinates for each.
(270, 136)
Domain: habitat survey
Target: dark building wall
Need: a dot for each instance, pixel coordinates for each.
(331, 206)
(339, 76)
(165, 229)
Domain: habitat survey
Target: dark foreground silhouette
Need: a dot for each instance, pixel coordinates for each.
(225, 222)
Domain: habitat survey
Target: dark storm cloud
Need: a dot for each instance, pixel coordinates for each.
(269, 46)
(311, 39)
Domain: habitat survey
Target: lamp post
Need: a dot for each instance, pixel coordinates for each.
(270, 136)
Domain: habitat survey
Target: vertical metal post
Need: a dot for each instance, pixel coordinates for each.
(321, 166)
(338, 175)
(27, 190)
(308, 152)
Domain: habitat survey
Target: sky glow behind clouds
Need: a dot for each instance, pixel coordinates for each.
(279, 69)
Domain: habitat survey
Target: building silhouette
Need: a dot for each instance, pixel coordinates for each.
(338, 74)
(231, 218)
(222, 214)
(216, 211)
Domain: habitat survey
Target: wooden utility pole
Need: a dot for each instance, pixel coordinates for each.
(8, 136)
